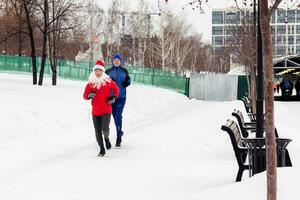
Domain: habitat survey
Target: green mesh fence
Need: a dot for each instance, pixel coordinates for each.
(80, 71)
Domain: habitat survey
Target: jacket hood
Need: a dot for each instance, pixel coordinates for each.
(118, 56)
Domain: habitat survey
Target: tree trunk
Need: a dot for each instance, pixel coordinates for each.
(56, 42)
(20, 37)
(45, 35)
(271, 157)
(253, 88)
(54, 61)
(32, 44)
(133, 52)
(54, 74)
(52, 56)
(253, 67)
(107, 52)
(50, 44)
(162, 53)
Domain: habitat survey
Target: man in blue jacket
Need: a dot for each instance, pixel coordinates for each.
(120, 75)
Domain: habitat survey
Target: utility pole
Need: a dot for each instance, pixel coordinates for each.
(260, 78)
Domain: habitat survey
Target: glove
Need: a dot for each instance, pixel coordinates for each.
(111, 100)
(91, 95)
(125, 84)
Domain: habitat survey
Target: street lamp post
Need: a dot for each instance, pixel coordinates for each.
(260, 78)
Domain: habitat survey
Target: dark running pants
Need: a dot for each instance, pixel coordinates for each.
(101, 124)
(117, 111)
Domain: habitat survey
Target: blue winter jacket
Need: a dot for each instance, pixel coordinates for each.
(120, 76)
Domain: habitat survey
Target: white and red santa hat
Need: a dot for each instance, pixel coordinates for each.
(99, 65)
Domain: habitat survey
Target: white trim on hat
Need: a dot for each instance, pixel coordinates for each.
(99, 67)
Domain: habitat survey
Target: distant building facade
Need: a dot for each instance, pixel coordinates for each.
(285, 25)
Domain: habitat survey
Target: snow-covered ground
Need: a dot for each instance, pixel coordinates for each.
(173, 147)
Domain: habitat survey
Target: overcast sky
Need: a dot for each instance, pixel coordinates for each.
(201, 22)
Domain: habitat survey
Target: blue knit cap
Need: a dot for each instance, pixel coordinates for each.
(118, 56)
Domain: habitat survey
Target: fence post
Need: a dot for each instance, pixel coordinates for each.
(152, 76)
(19, 63)
(187, 86)
(5, 61)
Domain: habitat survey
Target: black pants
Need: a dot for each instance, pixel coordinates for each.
(101, 124)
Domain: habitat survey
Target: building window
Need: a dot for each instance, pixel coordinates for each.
(229, 40)
(291, 29)
(281, 39)
(233, 18)
(291, 16)
(246, 17)
(273, 39)
(298, 16)
(281, 15)
(281, 50)
(217, 30)
(273, 18)
(281, 29)
(217, 17)
(218, 41)
(219, 50)
(298, 50)
(297, 29)
(229, 30)
(272, 29)
(298, 39)
(251, 14)
(291, 50)
(291, 39)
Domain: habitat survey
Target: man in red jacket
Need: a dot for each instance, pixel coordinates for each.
(103, 91)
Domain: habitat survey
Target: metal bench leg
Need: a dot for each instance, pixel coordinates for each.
(239, 175)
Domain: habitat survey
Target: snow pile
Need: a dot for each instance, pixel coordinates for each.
(236, 69)
(256, 187)
(173, 147)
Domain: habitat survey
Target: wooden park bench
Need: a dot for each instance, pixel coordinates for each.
(239, 148)
(255, 149)
(248, 108)
(250, 127)
(244, 126)
(247, 104)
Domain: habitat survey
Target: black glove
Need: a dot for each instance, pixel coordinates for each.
(91, 95)
(125, 84)
(111, 100)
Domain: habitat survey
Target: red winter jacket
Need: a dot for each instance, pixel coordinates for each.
(100, 106)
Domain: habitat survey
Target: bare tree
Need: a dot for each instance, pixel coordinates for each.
(183, 45)
(54, 26)
(28, 17)
(266, 14)
(142, 28)
(199, 58)
(8, 23)
(44, 7)
(63, 19)
(242, 47)
(164, 46)
(29, 9)
(112, 28)
(19, 12)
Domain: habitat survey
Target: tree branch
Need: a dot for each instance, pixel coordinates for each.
(274, 7)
